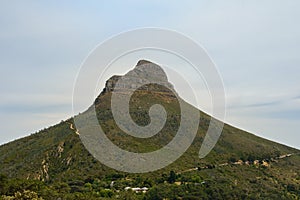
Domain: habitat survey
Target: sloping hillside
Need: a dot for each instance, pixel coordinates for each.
(54, 163)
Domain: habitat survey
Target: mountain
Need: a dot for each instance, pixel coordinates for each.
(54, 164)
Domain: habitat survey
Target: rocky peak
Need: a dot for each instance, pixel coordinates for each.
(143, 73)
(142, 62)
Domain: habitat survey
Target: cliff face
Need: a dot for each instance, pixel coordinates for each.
(149, 75)
(111, 83)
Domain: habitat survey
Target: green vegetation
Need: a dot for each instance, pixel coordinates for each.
(53, 163)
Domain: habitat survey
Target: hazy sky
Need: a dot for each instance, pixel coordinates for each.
(255, 45)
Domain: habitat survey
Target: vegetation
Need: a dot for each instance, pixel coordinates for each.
(53, 163)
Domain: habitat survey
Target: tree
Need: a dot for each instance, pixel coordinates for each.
(232, 159)
(172, 177)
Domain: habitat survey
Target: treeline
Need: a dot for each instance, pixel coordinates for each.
(167, 186)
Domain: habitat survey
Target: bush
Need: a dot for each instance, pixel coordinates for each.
(106, 193)
(24, 195)
(172, 177)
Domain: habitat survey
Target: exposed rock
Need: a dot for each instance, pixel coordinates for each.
(60, 149)
(239, 162)
(69, 159)
(265, 163)
(142, 62)
(45, 169)
(110, 84)
(144, 73)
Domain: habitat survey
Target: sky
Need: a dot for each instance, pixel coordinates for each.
(254, 44)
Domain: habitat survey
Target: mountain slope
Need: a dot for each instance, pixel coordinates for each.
(240, 166)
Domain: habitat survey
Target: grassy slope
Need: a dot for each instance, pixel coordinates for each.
(56, 154)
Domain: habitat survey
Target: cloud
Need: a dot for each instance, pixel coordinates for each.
(297, 97)
(255, 45)
(263, 104)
